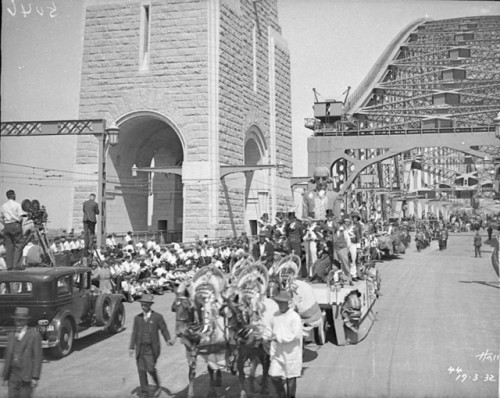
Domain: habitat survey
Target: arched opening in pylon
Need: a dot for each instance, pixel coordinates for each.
(257, 182)
(144, 201)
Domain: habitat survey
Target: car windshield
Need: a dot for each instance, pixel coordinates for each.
(15, 288)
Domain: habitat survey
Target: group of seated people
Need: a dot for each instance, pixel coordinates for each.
(149, 267)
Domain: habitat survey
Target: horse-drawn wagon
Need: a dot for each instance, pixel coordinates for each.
(349, 309)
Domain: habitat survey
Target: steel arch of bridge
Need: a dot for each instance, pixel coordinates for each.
(434, 92)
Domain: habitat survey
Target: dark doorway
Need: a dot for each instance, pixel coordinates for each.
(253, 227)
(162, 229)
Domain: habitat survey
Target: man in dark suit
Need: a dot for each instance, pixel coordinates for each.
(145, 342)
(263, 250)
(294, 231)
(23, 357)
(90, 211)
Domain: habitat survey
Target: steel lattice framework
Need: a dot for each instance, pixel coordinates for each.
(428, 103)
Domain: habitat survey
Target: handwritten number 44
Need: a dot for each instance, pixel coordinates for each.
(451, 369)
(26, 11)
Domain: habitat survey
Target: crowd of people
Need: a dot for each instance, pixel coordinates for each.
(326, 239)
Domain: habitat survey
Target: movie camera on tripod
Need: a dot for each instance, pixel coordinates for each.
(34, 227)
(35, 212)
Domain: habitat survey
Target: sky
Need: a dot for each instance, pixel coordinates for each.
(334, 43)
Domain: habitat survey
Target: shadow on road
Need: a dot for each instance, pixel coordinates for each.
(92, 339)
(494, 284)
(309, 355)
(230, 388)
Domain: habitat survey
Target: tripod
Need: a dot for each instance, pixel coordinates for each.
(90, 254)
(41, 237)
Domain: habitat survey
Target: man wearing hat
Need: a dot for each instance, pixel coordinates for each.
(263, 250)
(145, 342)
(355, 230)
(294, 231)
(23, 357)
(286, 347)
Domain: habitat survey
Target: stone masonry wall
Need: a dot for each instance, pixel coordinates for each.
(241, 106)
(175, 85)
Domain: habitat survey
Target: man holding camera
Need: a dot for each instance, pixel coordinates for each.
(11, 214)
(90, 211)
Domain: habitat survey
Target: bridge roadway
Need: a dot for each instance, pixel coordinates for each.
(438, 312)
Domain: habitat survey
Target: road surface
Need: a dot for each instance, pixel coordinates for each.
(437, 334)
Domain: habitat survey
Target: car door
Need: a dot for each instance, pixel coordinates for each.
(78, 293)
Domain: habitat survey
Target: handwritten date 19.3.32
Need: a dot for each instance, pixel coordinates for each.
(462, 376)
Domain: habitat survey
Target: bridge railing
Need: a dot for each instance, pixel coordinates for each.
(322, 129)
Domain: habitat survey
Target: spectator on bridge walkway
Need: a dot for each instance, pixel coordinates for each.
(286, 347)
(23, 357)
(263, 250)
(490, 231)
(477, 244)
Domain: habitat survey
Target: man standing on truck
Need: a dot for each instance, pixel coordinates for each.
(11, 214)
(90, 211)
(23, 357)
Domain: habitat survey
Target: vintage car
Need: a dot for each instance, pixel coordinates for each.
(63, 305)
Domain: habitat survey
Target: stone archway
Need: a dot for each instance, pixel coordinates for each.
(147, 201)
(257, 182)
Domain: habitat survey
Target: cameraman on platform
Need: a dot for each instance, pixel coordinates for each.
(90, 211)
(11, 214)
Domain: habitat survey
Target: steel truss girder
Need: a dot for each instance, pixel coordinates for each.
(54, 127)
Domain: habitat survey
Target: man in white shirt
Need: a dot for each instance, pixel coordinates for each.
(11, 214)
(286, 347)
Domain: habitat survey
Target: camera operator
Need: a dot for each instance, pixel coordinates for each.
(90, 211)
(11, 214)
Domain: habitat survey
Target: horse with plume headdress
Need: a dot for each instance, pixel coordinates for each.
(251, 313)
(201, 326)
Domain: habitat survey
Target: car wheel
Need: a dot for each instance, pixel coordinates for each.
(66, 337)
(103, 309)
(118, 322)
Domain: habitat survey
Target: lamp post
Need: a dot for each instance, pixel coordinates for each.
(109, 139)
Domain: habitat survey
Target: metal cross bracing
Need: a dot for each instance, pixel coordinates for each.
(56, 127)
(439, 70)
(435, 78)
